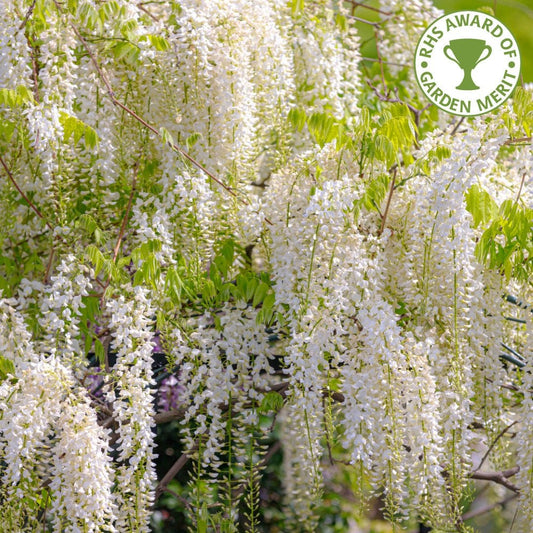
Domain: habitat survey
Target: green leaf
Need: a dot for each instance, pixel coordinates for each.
(321, 127)
(152, 270)
(192, 139)
(138, 278)
(87, 222)
(127, 52)
(109, 10)
(143, 252)
(251, 285)
(228, 251)
(99, 351)
(480, 205)
(208, 291)
(17, 97)
(96, 257)
(99, 236)
(75, 128)
(221, 265)
(166, 136)
(159, 42)
(266, 313)
(6, 368)
(272, 401)
(297, 6)
(214, 275)
(7, 128)
(375, 192)
(91, 307)
(173, 285)
(341, 21)
(260, 293)
(297, 118)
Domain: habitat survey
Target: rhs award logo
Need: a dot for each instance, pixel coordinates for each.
(467, 63)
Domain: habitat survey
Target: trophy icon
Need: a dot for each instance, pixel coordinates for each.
(467, 53)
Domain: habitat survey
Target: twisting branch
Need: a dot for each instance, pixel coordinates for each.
(354, 3)
(521, 186)
(457, 126)
(127, 214)
(517, 141)
(389, 198)
(172, 473)
(49, 264)
(168, 416)
(487, 508)
(143, 9)
(494, 442)
(116, 249)
(365, 21)
(385, 97)
(502, 477)
(28, 15)
(21, 192)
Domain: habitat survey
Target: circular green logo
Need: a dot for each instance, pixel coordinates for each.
(467, 63)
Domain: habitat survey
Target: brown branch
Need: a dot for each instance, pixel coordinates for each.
(179, 497)
(21, 192)
(28, 15)
(498, 477)
(169, 416)
(337, 396)
(397, 100)
(487, 508)
(365, 21)
(126, 216)
(521, 186)
(171, 474)
(517, 140)
(374, 60)
(457, 126)
(380, 59)
(372, 8)
(49, 264)
(35, 74)
(271, 452)
(389, 198)
(142, 8)
(494, 442)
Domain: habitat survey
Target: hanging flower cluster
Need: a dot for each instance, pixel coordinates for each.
(209, 218)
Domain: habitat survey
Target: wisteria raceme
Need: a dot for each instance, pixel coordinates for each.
(209, 384)
(61, 308)
(404, 23)
(223, 232)
(129, 392)
(49, 434)
(301, 461)
(81, 473)
(524, 448)
(14, 50)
